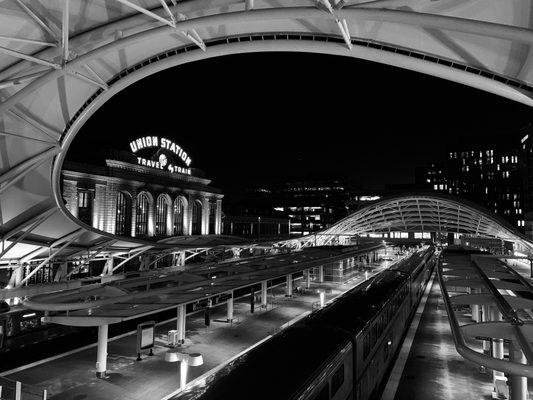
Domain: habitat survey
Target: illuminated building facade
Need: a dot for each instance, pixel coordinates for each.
(490, 177)
(311, 205)
(526, 161)
(154, 193)
(255, 227)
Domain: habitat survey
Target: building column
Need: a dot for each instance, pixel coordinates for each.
(218, 217)
(180, 323)
(101, 352)
(133, 214)
(288, 288)
(205, 216)
(187, 210)
(307, 278)
(70, 194)
(151, 216)
(170, 218)
(110, 207)
(518, 383)
(321, 274)
(230, 308)
(264, 297)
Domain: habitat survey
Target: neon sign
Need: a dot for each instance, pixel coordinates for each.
(162, 162)
(155, 141)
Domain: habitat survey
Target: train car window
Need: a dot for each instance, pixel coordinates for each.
(29, 324)
(337, 380)
(324, 393)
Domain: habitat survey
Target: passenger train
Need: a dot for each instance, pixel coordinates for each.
(340, 352)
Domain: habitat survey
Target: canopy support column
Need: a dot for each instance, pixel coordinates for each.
(101, 353)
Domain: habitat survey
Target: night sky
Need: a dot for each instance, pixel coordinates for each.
(267, 117)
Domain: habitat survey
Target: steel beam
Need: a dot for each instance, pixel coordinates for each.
(47, 259)
(27, 41)
(65, 31)
(36, 18)
(147, 12)
(25, 165)
(137, 252)
(40, 220)
(26, 57)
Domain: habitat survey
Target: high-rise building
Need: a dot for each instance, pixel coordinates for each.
(526, 163)
(491, 177)
(311, 205)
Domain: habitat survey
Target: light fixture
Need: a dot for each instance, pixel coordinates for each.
(186, 360)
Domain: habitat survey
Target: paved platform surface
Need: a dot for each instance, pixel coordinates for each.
(73, 377)
(434, 370)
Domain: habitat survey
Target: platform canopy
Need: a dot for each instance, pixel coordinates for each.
(60, 60)
(421, 213)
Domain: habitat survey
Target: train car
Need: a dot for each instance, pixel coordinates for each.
(342, 351)
(20, 327)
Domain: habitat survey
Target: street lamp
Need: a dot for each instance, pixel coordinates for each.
(186, 360)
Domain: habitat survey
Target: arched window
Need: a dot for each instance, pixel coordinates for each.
(161, 213)
(179, 209)
(141, 219)
(197, 218)
(123, 215)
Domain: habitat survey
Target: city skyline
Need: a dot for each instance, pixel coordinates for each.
(248, 125)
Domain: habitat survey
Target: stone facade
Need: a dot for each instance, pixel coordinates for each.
(92, 193)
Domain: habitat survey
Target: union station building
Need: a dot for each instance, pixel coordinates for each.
(149, 192)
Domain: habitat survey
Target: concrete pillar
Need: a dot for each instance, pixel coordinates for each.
(321, 274)
(16, 276)
(61, 272)
(518, 383)
(145, 262)
(288, 288)
(178, 259)
(108, 267)
(497, 347)
(485, 316)
(475, 308)
(307, 278)
(180, 323)
(230, 308)
(264, 297)
(101, 352)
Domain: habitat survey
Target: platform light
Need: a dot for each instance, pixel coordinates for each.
(186, 360)
(29, 315)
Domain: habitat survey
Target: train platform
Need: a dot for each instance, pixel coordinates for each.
(72, 376)
(428, 365)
